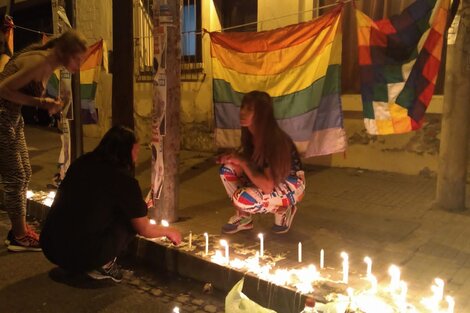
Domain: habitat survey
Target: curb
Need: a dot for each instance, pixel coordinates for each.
(175, 261)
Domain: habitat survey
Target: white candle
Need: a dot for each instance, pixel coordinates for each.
(190, 239)
(350, 292)
(206, 236)
(261, 245)
(403, 293)
(151, 221)
(368, 261)
(224, 243)
(450, 304)
(165, 223)
(345, 257)
(322, 258)
(300, 252)
(373, 283)
(439, 291)
(394, 273)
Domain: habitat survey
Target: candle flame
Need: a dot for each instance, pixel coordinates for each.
(152, 221)
(29, 194)
(165, 223)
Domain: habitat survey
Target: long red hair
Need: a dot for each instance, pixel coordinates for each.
(270, 145)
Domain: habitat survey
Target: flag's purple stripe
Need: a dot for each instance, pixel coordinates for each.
(300, 128)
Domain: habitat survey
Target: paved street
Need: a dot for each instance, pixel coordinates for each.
(388, 217)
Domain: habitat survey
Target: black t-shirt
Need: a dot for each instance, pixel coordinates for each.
(92, 212)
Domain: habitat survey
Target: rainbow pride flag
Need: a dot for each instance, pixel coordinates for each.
(399, 61)
(299, 66)
(89, 77)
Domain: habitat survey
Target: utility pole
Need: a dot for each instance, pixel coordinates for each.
(452, 173)
(76, 129)
(166, 115)
(123, 64)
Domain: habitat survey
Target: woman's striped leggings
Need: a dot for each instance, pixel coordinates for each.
(15, 169)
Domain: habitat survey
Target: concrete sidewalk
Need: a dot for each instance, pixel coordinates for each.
(385, 216)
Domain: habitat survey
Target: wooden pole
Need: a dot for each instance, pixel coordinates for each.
(452, 174)
(123, 64)
(76, 129)
(168, 132)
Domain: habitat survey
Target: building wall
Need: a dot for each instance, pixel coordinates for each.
(411, 153)
(95, 21)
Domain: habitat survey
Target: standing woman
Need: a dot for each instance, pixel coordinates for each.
(23, 82)
(266, 176)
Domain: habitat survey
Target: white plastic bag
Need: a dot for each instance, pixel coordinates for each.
(237, 302)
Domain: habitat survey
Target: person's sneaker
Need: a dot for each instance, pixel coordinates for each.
(111, 271)
(29, 242)
(9, 237)
(237, 223)
(283, 221)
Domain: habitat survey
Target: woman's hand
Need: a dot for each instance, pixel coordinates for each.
(51, 105)
(173, 235)
(231, 158)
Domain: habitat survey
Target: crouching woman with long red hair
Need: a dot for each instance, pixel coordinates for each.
(266, 175)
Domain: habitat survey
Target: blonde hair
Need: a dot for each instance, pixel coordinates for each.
(67, 44)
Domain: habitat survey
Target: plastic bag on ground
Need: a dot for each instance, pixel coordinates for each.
(237, 302)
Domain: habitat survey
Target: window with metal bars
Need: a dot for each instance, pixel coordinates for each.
(238, 15)
(191, 41)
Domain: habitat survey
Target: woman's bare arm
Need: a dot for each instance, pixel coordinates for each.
(143, 227)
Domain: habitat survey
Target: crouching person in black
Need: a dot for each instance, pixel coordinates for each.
(98, 209)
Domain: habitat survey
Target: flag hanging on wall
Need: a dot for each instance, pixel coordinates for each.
(399, 61)
(89, 77)
(299, 66)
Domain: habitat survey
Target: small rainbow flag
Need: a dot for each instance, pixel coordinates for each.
(89, 76)
(399, 61)
(299, 66)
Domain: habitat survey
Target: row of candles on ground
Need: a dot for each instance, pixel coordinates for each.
(397, 286)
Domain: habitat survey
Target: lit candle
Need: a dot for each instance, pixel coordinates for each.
(368, 261)
(394, 273)
(176, 310)
(29, 194)
(404, 291)
(300, 252)
(224, 243)
(48, 201)
(345, 257)
(151, 221)
(261, 245)
(450, 304)
(190, 239)
(373, 283)
(206, 236)
(165, 223)
(322, 258)
(439, 291)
